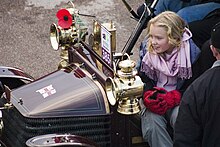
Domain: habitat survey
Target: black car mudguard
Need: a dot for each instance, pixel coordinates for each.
(13, 78)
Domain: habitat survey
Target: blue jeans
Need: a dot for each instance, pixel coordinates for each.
(154, 127)
(191, 11)
(172, 5)
(197, 12)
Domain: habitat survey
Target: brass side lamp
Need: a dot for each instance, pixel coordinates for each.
(125, 88)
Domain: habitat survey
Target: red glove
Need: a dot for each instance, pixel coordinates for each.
(172, 97)
(158, 100)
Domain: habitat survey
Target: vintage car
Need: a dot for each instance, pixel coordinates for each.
(92, 99)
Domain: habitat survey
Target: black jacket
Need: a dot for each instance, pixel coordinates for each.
(201, 29)
(198, 121)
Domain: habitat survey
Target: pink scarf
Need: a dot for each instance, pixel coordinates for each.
(174, 65)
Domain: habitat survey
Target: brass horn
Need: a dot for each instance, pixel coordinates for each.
(125, 88)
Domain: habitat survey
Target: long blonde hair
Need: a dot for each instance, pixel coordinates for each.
(173, 24)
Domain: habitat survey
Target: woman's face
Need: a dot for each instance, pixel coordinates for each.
(159, 39)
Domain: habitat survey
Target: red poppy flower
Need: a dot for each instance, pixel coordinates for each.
(64, 18)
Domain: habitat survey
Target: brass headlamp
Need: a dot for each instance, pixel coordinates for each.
(60, 37)
(125, 88)
(65, 37)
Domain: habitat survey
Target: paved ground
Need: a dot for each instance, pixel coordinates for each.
(25, 25)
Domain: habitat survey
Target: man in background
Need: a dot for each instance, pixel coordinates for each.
(198, 120)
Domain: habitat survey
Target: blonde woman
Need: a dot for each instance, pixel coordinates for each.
(167, 56)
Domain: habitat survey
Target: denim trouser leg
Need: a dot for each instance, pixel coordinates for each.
(154, 128)
(197, 12)
(172, 5)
